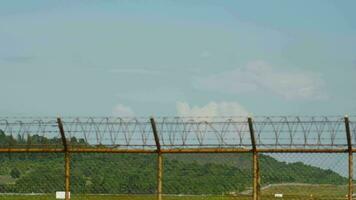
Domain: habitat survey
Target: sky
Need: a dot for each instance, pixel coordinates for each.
(166, 58)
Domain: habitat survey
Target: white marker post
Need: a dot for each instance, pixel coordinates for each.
(278, 195)
(61, 195)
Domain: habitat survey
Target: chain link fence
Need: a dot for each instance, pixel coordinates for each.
(209, 175)
(31, 175)
(106, 176)
(177, 158)
(304, 176)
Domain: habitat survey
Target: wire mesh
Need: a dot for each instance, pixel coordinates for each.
(208, 176)
(113, 176)
(304, 176)
(31, 175)
(221, 175)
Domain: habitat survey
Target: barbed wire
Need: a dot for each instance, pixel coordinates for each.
(179, 132)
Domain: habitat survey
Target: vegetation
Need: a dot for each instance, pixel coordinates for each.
(195, 174)
(15, 173)
(325, 196)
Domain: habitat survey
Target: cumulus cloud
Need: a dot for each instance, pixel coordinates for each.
(212, 109)
(121, 110)
(261, 76)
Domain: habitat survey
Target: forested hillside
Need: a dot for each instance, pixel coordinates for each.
(136, 173)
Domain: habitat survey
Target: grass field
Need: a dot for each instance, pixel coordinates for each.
(168, 198)
(123, 197)
(145, 197)
(308, 191)
(298, 192)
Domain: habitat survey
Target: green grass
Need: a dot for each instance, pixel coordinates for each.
(296, 192)
(152, 197)
(308, 191)
(123, 197)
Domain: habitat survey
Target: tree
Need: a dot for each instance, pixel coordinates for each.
(15, 173)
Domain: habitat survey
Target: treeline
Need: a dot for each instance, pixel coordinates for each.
(35, 139)
(136, 173)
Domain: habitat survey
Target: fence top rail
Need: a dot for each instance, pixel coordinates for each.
(271, 132)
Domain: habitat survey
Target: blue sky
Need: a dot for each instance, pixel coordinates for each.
(177, 57)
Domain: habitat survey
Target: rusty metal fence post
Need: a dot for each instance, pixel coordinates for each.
(159, 160)
(256, 167)
(349, 144)
(66, 159)
(67, 150)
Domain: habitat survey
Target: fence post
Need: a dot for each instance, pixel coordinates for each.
(159, 160)
(349, 144)
(256, 167)
(66, 159)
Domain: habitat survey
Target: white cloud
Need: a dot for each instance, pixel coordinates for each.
(121, 110)
(212, 109)
(260, 76)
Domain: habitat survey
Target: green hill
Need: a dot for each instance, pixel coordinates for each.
(136, 173)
